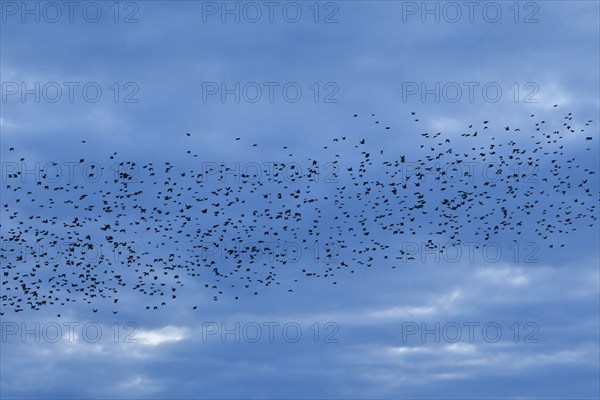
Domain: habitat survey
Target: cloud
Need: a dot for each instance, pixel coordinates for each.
(168, 334)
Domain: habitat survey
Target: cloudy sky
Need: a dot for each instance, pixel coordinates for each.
(136, 77)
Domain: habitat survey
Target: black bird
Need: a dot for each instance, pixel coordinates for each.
(159, 225)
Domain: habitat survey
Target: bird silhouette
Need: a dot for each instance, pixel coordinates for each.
(151, 228)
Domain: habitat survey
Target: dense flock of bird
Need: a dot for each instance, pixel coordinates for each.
(153, 227)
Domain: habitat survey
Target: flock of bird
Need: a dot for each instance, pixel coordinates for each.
(151, 228)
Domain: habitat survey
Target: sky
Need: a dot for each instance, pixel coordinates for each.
(507, 317)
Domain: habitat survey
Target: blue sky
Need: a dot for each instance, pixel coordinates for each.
(156, 66)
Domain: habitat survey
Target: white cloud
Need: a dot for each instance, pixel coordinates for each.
(550, 93)
(168, 334)
(402, 312)
(503, 276)
(449, 126)
(4, 123)
(408, 350)
(138, 384)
